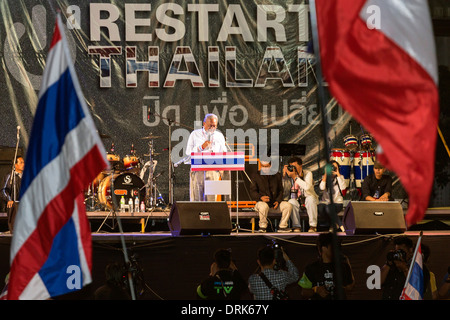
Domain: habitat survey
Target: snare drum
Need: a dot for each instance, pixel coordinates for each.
(342, 157)
(128, 185)
(350, 142)
(363, 162)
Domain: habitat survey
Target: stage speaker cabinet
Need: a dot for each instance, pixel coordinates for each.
(369, 217)
(199, 217)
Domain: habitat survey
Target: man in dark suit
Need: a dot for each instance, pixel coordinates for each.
(267, 190)
(10, 189)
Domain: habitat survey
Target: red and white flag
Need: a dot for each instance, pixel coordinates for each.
(378, 57)
(51, 248)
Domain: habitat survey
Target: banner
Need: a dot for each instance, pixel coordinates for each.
(151, 70)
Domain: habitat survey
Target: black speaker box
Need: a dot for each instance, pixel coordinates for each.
(199, 217)
(369, 217)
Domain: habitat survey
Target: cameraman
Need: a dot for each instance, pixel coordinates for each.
(395, 271)
(280, 278)
(303, 181)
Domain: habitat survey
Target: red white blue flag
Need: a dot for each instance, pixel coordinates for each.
(51, 246)
(217, 161)
(414, 286)
(379, 59)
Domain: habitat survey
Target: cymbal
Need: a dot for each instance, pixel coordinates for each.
(150, 137)
(153, 154)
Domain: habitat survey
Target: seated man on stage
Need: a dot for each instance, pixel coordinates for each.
(206, 139)
(267, 190)
(377, 186)
(303, 181)
(11, 189)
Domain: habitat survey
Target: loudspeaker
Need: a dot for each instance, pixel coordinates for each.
(369, 217)
(199, 217)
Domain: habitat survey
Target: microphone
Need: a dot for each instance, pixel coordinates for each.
(18, 131)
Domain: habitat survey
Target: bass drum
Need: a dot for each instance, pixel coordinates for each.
(128, 185)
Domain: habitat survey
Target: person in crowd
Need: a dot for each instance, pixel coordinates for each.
(114, 288)
(206, 139)
(267, 190)
(395, 270)
(338, 184)
(377, 186)
(10, 191)
(318, 281)
(430, 287)
(270, 282)
(224, 281)
(444, 290)
(302, 181)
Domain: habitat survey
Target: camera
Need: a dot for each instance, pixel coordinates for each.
(291, 168)
(280, 263)
(396, 255)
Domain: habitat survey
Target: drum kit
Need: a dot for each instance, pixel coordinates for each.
(356, 160)
(123, 181)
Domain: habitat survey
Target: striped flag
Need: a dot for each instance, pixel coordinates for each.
(414, 284)
(379, 60)
(51, 246)
(217, 161)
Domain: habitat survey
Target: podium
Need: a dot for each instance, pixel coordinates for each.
(220, 161)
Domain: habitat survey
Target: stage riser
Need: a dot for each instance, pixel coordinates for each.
(173, 266)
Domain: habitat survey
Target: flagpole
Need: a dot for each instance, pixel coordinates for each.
(326, 130)
(411, 266)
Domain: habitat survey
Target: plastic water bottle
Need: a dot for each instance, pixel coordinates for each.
(142, 206)
(136, 204)
(122, 204)
(130, 204)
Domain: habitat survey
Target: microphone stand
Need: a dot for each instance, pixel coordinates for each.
(12, 179)
(171, 122)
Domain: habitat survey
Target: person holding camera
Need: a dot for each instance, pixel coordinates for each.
(377, 186)
(338, 184)
(304, 184)
(395, 271)
(319, 279)
(271, 282)
(224, 281)
(267, 190)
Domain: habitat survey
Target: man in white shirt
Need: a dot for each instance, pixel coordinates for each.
(303, 180)
(206, 139)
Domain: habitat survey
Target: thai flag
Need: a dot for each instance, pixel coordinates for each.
(378, 58)
(414, 286)
(217, 161)
(51, 246)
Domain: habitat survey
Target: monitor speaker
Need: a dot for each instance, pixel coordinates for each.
(199, 217)
(369, 217)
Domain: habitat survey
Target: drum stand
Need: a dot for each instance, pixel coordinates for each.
(112, 211)
(352, 190)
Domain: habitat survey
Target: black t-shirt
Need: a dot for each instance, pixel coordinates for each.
(319, 274)
(374, 187)
(224, 285)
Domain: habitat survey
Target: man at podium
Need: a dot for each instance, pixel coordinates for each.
(206, 139)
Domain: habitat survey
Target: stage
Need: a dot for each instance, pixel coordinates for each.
(170, 267)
